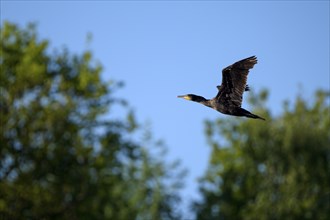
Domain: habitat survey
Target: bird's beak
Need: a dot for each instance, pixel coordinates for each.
(186, 97)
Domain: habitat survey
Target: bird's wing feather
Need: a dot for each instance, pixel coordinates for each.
(234, 79)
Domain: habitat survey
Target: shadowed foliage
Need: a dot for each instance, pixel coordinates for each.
(273, 170)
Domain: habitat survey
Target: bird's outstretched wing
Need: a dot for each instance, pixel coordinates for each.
(234, 79)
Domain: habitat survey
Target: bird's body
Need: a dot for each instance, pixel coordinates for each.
(230, 93)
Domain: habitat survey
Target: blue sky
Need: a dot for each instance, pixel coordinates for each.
(164, 49)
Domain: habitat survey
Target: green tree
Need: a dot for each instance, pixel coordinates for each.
(60, 156)
(278, 169)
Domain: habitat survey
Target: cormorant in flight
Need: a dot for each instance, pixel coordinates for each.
(230, 95)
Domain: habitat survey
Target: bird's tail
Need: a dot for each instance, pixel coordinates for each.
(250, 115)
(246, 113)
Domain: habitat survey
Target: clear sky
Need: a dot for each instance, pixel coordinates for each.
(163, 49)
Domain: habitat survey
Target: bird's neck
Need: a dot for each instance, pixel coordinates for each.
(201, 100)
(206, 102)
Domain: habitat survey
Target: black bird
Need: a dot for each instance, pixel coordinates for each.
(230, 92)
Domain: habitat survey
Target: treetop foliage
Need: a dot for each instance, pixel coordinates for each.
(60, 157)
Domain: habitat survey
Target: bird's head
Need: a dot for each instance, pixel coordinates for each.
(191, 97)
